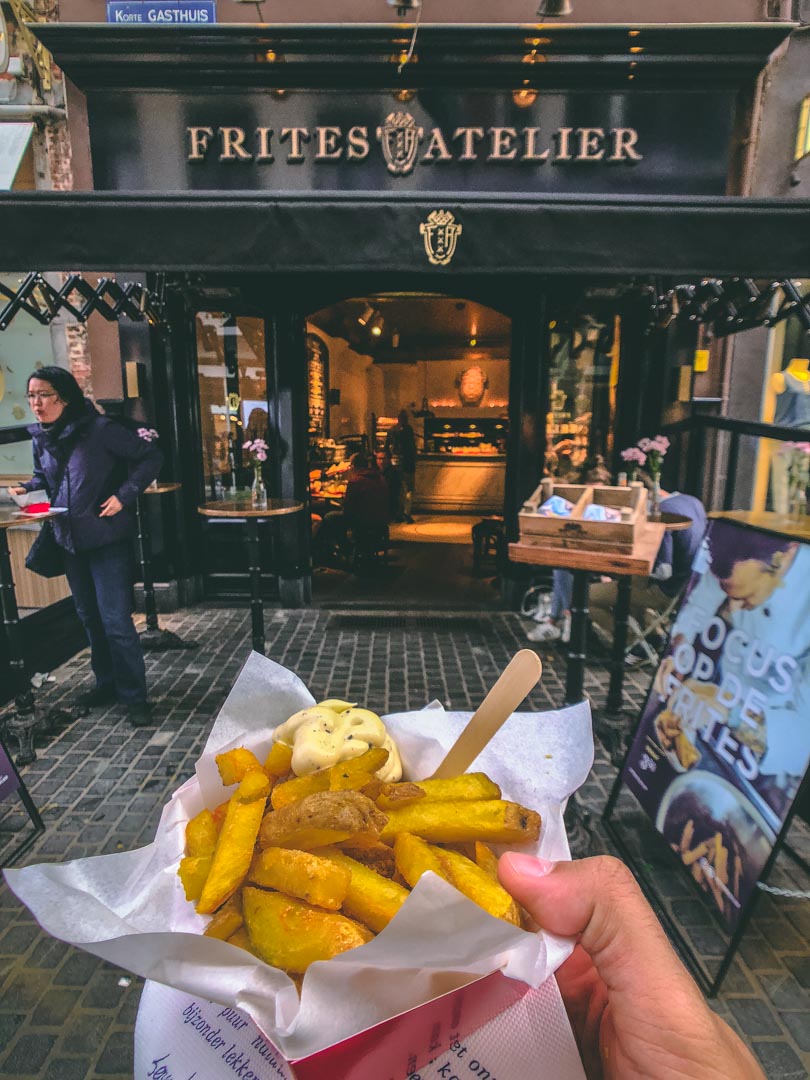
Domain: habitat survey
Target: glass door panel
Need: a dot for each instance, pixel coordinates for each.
(232, 384)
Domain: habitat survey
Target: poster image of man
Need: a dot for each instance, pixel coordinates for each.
(724, 738)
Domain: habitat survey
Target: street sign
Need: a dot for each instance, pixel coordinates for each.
(172, 13)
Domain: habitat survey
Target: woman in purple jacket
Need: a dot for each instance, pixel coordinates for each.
(97, 468)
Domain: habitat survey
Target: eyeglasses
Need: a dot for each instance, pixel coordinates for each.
(40, 397)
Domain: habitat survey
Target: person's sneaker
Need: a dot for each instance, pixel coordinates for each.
(140, 714)
(95, 698)
(565, 629)
(544, 631)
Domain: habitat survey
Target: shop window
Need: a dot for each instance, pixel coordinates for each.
(582, 398)
(803, 131)
(232, 382)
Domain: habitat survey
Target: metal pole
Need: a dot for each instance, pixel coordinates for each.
(255, 571)
(20, 725)
(145, 553)
(732, 462)
(575, 669)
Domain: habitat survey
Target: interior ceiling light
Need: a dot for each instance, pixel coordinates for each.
(554, 9)
(376, 325)
(395, 339)
(405, 7)
(527, 94)
(366, 314)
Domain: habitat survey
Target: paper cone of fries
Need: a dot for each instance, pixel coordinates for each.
(130, 908)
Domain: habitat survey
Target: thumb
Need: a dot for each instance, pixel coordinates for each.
(599, 901)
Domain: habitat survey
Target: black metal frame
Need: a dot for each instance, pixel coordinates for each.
(30, 809)
(39, 299)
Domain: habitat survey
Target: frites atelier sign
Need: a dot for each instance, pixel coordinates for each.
(405, 145)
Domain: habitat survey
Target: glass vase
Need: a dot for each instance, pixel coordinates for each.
(655, 500)
(258, 490)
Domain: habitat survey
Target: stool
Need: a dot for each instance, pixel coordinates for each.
(489, 543)
(369, 543)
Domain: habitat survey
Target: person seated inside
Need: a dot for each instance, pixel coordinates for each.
(365, 512)
(673, 565)
(392, 478)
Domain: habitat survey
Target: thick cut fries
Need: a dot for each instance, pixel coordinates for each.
(291, 935)
(353, 774)
(301, 874)
(328, 817)
(470, 786)
(234, 850)
(201, 834)
(370, 897)
(193, 872)
(494, 820)
(234, 765)
(279, 761)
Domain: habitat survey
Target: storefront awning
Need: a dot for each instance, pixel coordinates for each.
(14, 139)
(337, 233)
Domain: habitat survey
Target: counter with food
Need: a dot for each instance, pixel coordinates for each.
(461, 483)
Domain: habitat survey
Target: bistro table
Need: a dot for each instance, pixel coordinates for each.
(243, 510)
(795, 525)
(153, 638)
(21, 724)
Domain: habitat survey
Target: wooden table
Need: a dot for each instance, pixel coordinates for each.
(582, 562)
(242, 510)
(153, 638)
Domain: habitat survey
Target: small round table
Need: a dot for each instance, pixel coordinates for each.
(153, 638)
(243, 510)
(22, 722)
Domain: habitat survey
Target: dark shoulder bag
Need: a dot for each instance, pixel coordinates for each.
(47, 557)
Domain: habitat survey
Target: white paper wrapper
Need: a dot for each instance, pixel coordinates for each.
(130, 908)
(30, 498)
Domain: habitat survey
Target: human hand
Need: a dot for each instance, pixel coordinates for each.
(16, 490)
(110, 507)
(635, 1011)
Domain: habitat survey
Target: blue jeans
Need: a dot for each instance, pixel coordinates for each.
(101, 582)
(561, 593)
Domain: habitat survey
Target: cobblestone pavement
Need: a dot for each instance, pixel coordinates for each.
(100, 787)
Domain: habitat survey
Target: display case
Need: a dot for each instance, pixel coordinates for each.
(466, 436)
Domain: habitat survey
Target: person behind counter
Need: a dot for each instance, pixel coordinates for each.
(400, 443)
(96, 468)
(365, 510)
(392, 478)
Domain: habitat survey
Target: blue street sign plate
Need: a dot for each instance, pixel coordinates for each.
(172, 13)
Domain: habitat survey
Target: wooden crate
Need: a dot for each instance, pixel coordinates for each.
(573, 531)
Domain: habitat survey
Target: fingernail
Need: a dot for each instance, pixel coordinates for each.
(528, 866)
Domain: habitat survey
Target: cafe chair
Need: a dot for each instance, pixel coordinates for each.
(368, 544)
(645, 642)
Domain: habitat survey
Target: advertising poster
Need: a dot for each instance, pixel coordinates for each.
(724, 738)
(9, 781)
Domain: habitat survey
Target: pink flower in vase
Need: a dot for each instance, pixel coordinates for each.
(634, 455)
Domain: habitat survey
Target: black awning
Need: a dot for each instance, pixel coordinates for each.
(338, 233)
(352, 55)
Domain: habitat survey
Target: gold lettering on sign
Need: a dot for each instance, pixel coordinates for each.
(296, 135)
(590, 144)
(468, 136)
(233, 139)
(199, 137)
(563, 147)
(357, 139)
(437, 147)
(530, 152)
(265, 135)
(328, 149)
(503, 148)
(624, 141)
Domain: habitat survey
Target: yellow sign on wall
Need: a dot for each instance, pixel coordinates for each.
(701, 361)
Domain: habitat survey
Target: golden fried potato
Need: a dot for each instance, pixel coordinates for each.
(357, 772)
(299, 873)
(371, 898)
(327, 817)
(241, 940)
(193, 871)
(415, 856)
(378, 856)
(299, 787)
(493, 820)
(400, 794)
(234, 765)
(290, 934)
(278, 761)
(225, 922)
(234, 849)
(470, 786)
(201, 834)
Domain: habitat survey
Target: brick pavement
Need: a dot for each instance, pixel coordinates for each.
(100, 787)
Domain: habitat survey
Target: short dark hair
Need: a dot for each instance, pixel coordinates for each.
(63, 383)
(361, 461)
(762, 547)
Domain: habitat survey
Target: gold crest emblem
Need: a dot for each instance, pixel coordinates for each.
(399, 137)
(440, 233)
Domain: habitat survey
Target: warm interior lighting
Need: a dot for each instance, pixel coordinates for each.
(376, 325)
(636, 49)
(366, 314)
